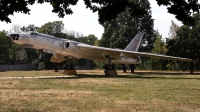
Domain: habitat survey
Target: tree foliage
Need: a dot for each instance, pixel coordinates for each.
(120, 31)
(182, 9)
(30, 27)
(15, 28)
(5, 44)
(158, 44)
(90, 39)
(159, 48)
(52, 28)
(155, 63)
(107, 9)
(8, 50)
(173, 29)
(187, 41)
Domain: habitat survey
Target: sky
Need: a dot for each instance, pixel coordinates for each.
(83, 20)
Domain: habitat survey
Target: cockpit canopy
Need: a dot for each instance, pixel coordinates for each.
(33, 33)
(14, 36)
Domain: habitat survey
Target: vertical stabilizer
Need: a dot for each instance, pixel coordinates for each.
(135, 43)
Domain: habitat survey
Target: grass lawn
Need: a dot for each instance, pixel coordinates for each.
(92, 91)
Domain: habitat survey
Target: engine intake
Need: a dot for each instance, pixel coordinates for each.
(70, 45)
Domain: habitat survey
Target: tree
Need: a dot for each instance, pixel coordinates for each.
(159, 48)
(8, 49)
(183, 43)
(120, 31)
(107, 9)
(90, 39)
(173, 29)
(15, 28)
(187, 41)
(96, 43)
(158, 44)
(182, 9)
(52, 28)
(5, 45)
(30, 27)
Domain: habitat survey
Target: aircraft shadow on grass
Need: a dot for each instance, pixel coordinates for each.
(140, 75)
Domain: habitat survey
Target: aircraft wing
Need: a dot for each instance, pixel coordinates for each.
(117, 53)
(57, 58)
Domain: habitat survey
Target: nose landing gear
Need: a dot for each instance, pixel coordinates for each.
(41, 56)
(69, 69)
(110, 67)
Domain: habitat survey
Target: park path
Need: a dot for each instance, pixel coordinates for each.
(37, 77)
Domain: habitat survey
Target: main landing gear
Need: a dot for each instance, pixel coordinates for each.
(41, 56)
(69, 69)
(110, 69)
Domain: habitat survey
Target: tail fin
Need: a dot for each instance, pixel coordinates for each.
(135, 43)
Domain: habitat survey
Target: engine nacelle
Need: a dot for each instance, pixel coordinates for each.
(70, 45)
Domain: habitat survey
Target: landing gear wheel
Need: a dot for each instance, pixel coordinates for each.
(113, 67)
(109, 67)
(73, 67)
(70, 67)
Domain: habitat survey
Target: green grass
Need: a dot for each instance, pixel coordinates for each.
(92, 91)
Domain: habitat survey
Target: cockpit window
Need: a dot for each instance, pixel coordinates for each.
(32, 33)
(14, 36)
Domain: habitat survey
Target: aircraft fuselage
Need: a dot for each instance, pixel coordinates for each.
(65, 47)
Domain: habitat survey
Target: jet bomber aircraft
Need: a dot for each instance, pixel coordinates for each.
(64, 49)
